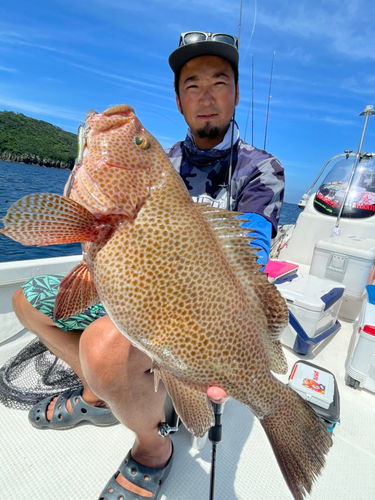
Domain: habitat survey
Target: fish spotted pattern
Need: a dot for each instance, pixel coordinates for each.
(181, 282)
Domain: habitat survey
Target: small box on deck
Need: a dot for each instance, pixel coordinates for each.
(276, 269)
(313, 305)
(319, 388)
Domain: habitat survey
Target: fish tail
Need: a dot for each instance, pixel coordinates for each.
(299, 440)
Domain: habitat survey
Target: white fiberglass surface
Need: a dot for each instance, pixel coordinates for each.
(76, 464)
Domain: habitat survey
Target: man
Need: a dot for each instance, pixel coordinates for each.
(116, 377)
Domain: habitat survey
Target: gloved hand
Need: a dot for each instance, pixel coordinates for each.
(262, 231)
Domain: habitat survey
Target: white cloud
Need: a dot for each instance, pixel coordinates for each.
(361, 84)
(14, 39)
(8, 70)
(338, 121)
(336, 26)
(40, 109)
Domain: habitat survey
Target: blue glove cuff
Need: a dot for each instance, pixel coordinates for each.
(261, 232)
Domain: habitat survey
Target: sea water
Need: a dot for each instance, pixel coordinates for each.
(18, 180)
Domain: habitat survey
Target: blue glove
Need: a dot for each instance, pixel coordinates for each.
(262, 231)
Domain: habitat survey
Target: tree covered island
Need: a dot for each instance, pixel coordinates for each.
(26, 140)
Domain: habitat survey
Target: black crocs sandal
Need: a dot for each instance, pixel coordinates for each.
(62, 419)
(145, 477)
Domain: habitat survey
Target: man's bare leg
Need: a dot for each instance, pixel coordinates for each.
(120, 375)
(63, 344)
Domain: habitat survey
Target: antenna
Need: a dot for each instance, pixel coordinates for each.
(239, 26)
(251, 105)
(268, 105)
(230, 168)
(252, 100)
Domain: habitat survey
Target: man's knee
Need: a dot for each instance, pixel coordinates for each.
(18, 301)
(22, 307)
(28, 315)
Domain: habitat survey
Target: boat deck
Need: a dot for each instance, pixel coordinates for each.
(75, 464)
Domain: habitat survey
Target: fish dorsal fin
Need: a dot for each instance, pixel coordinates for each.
(191, 404)
(76, 293)
(235, 243)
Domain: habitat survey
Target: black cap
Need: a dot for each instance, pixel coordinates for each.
(213, 45)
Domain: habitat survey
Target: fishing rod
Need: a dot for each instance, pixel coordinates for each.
(214, 434)
(268, 105)
(252, 100)
(251, 104)
(233, 121)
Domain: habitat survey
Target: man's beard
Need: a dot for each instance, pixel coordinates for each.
(208, 132)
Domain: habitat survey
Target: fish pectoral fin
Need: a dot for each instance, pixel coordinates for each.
(191, 404)
(48, 219)
(76, 293)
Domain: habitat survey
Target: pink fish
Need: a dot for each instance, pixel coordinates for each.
(181, 281)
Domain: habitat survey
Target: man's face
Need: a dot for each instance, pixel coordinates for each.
(207, 98)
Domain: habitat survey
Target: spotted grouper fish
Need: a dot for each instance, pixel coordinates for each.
(178, 279)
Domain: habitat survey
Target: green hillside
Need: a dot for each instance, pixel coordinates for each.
(26, 140)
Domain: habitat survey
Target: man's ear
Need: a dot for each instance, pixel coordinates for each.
(178, 102)
(237, 94)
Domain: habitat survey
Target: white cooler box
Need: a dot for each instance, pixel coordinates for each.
(349, 260)
(313, 305)
(361, 367)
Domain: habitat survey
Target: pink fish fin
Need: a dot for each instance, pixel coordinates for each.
(299, 440)
(235, 243)
(76, 293)
(191, 404)
(48, 219)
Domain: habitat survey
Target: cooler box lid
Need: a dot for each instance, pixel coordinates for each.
(313, 383)
(310, 292)
(353, 246)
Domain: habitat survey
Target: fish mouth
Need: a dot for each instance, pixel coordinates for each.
(111, 118)
(120, 109)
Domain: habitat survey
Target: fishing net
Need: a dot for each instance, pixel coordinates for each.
(33, 374)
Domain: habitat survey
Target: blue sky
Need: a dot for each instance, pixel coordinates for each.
(60, 58)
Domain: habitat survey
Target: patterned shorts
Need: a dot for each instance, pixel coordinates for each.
(41, 293)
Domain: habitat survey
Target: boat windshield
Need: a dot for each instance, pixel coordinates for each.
(360, 202)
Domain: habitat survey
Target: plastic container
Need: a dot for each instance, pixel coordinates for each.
(318, 387)
(313, 305)
(277, 269)
(361, 367)
(349, 260)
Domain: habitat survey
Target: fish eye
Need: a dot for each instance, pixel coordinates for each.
(142, 142)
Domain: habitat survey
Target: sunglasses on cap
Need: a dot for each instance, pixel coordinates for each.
(200, 36)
